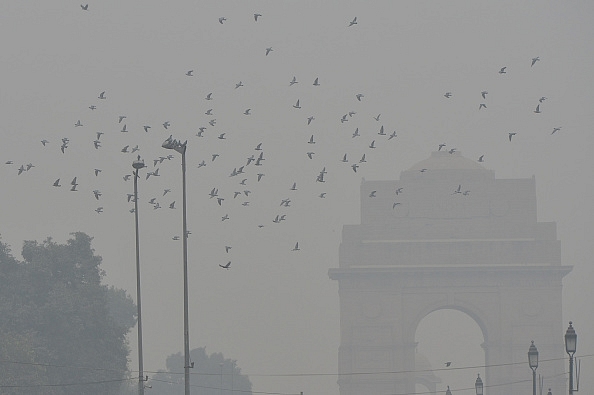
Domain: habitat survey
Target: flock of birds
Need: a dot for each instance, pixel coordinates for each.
(248, 172)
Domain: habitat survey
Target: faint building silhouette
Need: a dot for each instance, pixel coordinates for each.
(453, 237)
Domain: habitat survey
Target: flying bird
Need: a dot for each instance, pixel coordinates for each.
(372, 194)
(97, 194)
(172, 205)
(534, 60)
(222, 19)
(21, 170)
(268, 50)
(44, 142)
(362, 160)
(309, 119)
(537, 111)
(146, 128)
(392, 135)
(353, 22)
(57, 183)
(256, 16)
(310, 154)
(78, 123)
(166, 124)
(502, 70)
(556, 129)
(356, 133)
(355, 166)
(209, 96)
(372, 145)
(480, 159)
(226, 266)
(296, 248)
(482, 105)
(102, 95)
(316, 82)
(121, 118)
(99, 210)
(448, 95)
(378, 117)
(447, 364)
(381, 131)
(293, 81)
(97, 171)
(359, 96)
(85, 7)
(296, 105)
(238, 85)
(511, 134)
(484, 94)
(311, 140)
(247, 111)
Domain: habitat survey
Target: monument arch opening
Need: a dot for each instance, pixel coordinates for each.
(451, 342)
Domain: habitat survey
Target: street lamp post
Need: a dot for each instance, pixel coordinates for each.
(478, 385)
(137, 165)
(533, 362)
(180, 147)
(570, 347)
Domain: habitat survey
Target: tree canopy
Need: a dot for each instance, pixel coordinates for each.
(61, 330)
(211, 375)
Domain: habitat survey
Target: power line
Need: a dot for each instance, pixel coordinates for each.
(64, 384)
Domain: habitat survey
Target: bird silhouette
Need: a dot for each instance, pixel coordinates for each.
(226, 266)
(353, 22)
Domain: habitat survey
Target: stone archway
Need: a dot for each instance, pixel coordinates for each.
(451, 341)
(449, 235)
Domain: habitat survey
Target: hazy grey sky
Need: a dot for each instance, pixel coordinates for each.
(276, 311)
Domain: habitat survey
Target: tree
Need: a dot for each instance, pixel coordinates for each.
(209, 372)
(66, 329)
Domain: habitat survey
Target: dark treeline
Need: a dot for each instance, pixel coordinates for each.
(61, 330)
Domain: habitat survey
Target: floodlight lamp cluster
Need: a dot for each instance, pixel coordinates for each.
(174, 144)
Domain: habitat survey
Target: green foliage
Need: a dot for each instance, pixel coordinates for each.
(58, 323)
(207, 375)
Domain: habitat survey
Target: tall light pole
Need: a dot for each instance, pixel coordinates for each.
(478, 385)
(137, 165)
(533, 362)
(570, 347)
(180, 147)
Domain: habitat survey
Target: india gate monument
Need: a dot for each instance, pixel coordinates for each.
(449, 235)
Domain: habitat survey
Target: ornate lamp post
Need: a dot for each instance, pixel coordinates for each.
(137, 165)
(478, 385)
(533, 362)
(570, 347)
(180, 147)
